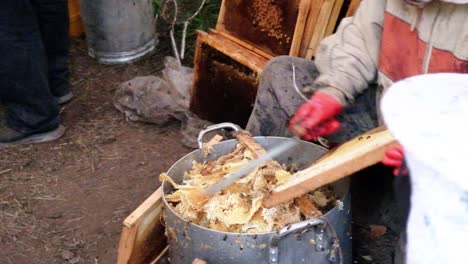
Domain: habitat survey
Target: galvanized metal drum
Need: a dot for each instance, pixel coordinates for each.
(118, 31)
(323, 240)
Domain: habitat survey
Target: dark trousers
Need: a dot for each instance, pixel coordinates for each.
(33, 62)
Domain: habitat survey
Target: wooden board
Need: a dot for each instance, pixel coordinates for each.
(320, 27)
(268, 25)
(348, 158)
(142, 238)
(312, 18)
(225, 80)
(333, 20)
(299, 30)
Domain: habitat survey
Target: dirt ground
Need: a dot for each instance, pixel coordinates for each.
(64, 201)
(67, 199)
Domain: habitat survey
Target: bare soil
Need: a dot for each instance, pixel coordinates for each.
(65, 201)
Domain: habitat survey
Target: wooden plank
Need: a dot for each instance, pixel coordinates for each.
(320, 27)
(353, 6)
(312, 18)
(199, 261)
(304, 8)
(142, 238)
(334, 17)
(350, 157)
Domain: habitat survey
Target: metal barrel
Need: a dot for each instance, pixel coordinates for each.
(118, 31)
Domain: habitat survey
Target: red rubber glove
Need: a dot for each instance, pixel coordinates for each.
(316, 117)
(394, 157)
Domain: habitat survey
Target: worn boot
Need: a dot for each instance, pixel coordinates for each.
(9, 136)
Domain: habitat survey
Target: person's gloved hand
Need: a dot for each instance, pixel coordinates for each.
(315, 118)
(394, 157)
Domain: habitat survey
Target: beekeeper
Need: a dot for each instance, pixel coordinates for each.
(385, 41)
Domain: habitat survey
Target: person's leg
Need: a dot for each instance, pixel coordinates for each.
(24, 90)
(53, 21)
(277, 101)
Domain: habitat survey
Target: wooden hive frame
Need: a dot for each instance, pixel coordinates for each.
(252, 31)
(225, 79)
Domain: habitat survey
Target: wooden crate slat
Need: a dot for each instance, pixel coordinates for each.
(142, 238)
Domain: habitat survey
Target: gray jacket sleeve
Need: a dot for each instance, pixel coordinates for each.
(347, 60)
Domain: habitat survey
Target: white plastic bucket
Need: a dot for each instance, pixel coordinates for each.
(428, 114)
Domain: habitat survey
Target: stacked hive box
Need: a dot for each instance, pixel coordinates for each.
(229, 60)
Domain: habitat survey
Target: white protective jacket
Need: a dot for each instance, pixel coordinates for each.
(388, 40)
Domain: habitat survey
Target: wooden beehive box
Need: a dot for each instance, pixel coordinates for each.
(226, 77)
